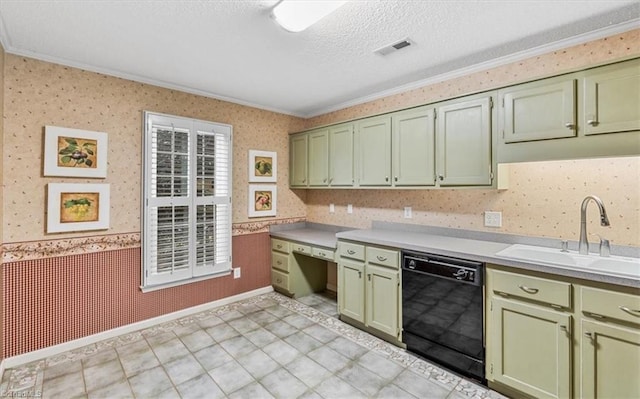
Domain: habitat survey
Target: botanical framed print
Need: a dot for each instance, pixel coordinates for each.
(74, 152)
(263, 166)
(77, 207)
(262, 200)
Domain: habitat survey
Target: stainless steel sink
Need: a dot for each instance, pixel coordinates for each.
(613, 265)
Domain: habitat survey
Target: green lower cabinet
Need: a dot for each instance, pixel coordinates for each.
(351, 290)
(531, 348)
(610, 361)
(382, 299)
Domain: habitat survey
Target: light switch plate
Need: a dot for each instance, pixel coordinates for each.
(332, 208)
(349, 208)
(407, 212)
(236, 272)
(492, 219)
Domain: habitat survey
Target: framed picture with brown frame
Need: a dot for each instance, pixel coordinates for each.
(74, 152)
(262, 200)
(263, 166)
(77, 207)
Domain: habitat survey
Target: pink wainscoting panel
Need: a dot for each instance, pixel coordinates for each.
(55, 300)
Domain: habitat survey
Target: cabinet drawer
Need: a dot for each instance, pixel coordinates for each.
(351, 250)
(300, 248)
(280, 280)
(322, 253)
(383, 257)
(280, 261)
(615, 305)
(555, 293)
(280, 245)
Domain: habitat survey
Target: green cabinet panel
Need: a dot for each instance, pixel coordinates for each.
(413, 147)
(539, 110)
(298, 160)
(351, 286)
(610, 361)
(341, 155)
(374, 151)
(382, 299)
(531, 348)
(612, 99)
(319, 157)
(464, 142)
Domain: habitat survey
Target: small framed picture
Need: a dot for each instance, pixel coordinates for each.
(77, 207)
(74, 152)
(263, 166)
(262, 200)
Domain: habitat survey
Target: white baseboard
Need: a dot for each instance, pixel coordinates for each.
(39, 354)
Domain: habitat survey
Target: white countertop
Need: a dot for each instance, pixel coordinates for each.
(480, 247)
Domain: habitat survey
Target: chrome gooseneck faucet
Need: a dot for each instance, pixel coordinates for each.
(583, 245)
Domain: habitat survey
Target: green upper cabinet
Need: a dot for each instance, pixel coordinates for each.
(539, 110)
(341, 155)
(298, 160)
(374, 151)
(319, 157)
(612, 99)
(464, 142)
(413, 142)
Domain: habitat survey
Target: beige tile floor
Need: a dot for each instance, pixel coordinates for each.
(268, 346)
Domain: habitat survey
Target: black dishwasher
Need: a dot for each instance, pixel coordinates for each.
(442, 311)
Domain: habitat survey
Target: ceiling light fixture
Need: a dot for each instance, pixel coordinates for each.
(298, 15)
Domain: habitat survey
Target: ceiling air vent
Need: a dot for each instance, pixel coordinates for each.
(393, 47)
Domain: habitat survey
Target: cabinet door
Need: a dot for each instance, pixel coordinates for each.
(298, 160)
(413, 148)
(612, 99)
(374, 152)
(610, 361)
(382, 299)
(539, 110)
(531, 349)
(341, 155)
(319, 157)
(464, 143)
(351, 289)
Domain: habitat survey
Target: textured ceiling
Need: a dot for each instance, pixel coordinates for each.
(233, 50)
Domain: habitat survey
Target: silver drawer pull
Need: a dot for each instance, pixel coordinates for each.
(351, 251)
(359, 274)
(279, 280)
(322, 254)
(592, 122)
(565, 329)
(528, 290)
(630, 311)
(569, 125)
(279, 246)
(381, 258)
(279, 262)
(588, 335)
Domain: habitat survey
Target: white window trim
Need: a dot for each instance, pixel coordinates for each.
(195, 273)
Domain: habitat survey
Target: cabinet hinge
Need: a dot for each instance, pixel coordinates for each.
(146, 273)
(491, 175)
(502, 103)
(491, 369)
(490, 102)
(435, 114)
(491, 310)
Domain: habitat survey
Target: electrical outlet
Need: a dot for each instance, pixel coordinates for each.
(407, 212)
(236, 272)
(349, 208)
(332, 208)
(492, 219)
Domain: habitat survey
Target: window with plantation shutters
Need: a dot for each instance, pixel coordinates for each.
(187, 200)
